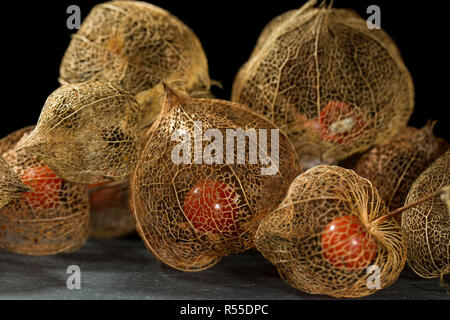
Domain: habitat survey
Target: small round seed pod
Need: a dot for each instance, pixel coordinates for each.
(110, 212)
(394, 165)
(138, 45)
(11, 186)
(324, 237)
(88, 133)
(427, 225)
(332, 84)
(52, 217)
(209, 172)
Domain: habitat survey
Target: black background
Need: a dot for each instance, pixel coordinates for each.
(35, 36)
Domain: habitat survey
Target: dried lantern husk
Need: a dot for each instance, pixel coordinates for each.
(139, 45)
(394, 165)
(292, 236)
(160, 187)
(11, 186)
(88, 133)
(333, 85)
(111, 216)
(47, 220)
(427, 225)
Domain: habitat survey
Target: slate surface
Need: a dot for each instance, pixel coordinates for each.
(124, 269)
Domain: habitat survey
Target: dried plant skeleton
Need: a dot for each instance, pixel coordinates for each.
(52, 217)
(88, 133)
(394, 165)
(334, 86)
(137, 45)
(427, 226)
(190, 214)
(325, 235)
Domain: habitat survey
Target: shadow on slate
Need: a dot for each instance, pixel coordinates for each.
(124, 269)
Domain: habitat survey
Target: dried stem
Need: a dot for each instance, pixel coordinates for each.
(445, 189)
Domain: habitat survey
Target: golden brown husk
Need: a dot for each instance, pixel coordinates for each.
(159, 186)
(139, 45)
(32, 230)
(309, 57)
(11, 186)
(290, 237)
(394, 165)
(427, 225)
(110, 212)
(88, 133)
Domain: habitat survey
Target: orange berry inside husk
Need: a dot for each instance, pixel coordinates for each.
(212, 206)
(339, 123)
(45, 187)
(347, 245)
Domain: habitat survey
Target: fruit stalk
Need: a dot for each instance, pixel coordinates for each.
(444, 190)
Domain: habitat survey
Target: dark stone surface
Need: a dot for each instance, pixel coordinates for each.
(124, 269)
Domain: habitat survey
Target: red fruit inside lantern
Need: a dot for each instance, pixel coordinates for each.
(45, 187)
(339, 123)
(346, 244)
(212, 207)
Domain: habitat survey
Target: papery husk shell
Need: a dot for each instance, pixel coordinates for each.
(394, 165)
(88, 133)
(290, 237)
(111, 216)
(11, 186)
(306, 59)
(427, 225)
(159, 185)
(138, 45)
(31, 230)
